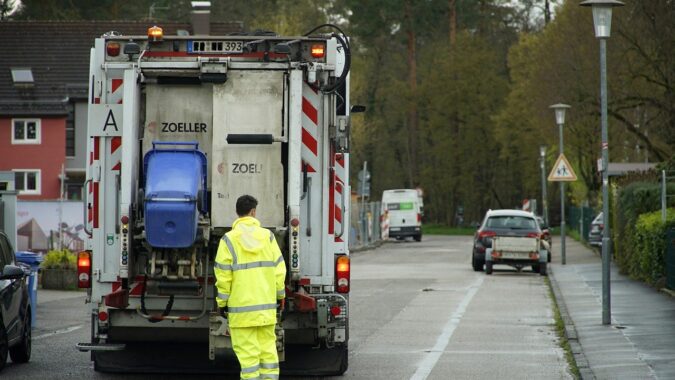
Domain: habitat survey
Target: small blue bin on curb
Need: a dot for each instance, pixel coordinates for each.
(33, 260)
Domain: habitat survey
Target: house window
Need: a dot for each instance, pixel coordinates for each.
(70, 135)
(22, 76)
(27, 181)
(74, 191)
(25, 131)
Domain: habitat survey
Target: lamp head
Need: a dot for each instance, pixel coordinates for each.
(560, 112)
(542, 150)
(602, 15)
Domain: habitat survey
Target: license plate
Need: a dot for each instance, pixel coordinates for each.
(394, 229)
(515, 255)
(215, 47)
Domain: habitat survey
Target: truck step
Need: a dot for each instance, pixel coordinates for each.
(84, 347)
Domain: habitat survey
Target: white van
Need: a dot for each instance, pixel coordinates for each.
(405, 208)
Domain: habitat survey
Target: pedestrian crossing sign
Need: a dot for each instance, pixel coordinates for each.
(562, 171)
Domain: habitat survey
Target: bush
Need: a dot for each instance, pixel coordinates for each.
(633, 200)
(648, 251)
(59, 260)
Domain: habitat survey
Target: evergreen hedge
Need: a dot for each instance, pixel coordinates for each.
(648, 251)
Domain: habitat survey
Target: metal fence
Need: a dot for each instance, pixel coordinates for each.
(579, 219)
(365, 226)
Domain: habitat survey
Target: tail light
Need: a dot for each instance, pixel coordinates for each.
(487, 234)
(486, 237)
(419, 218)
(342, 274)
(113, 48)
(533, 234)
(84, 270)
(318, 50)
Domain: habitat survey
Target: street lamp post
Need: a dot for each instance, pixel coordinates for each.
(544, 197)
(560, 120)
(602, 21)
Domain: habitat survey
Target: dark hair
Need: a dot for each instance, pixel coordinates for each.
(245, 204)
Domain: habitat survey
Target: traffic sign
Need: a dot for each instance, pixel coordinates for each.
(364, 183)
(562, 171)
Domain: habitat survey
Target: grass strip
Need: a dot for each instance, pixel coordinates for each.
(439, 229)
(560, 331)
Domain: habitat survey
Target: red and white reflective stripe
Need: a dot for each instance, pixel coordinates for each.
(340, 175)
(310, 128)
(93, 186)
(115, 90)
(116, 153)
(135, 288)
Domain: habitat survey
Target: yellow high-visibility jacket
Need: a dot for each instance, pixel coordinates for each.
(250, 274)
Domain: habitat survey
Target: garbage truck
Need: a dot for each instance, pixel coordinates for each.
(178, 128)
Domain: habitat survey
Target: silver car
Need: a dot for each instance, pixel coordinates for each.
(595, 234)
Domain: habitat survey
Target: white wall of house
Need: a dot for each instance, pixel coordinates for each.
(46, 215)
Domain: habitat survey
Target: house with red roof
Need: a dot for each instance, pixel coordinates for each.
(44, 70)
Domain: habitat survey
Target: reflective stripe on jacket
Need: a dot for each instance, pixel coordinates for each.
(250, 273)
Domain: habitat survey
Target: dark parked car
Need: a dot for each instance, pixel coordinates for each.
(515, 228)
(545, 235)
(595, 232)
(15, 323)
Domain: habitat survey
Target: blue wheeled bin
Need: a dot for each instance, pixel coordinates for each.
(33, 260)
(175, 193)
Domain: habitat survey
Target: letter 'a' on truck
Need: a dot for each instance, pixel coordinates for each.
(404, 208)
(178, 128)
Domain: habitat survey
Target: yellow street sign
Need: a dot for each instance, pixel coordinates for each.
(562, 171)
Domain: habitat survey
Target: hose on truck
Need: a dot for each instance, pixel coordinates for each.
(167, 309)
(348, 56)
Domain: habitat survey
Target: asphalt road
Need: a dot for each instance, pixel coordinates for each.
(418, 311)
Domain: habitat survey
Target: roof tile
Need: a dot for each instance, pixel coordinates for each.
(58, 54)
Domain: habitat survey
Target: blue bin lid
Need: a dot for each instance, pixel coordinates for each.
(30, 258)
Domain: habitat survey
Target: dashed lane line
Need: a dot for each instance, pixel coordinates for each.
(58, 332)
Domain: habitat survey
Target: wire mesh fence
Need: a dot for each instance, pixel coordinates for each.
(365, 224)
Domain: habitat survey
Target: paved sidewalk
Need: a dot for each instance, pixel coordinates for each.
(639, 344)
(49, 295)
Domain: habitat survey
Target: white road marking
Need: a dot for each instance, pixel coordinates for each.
(58, 332)
(429, 362)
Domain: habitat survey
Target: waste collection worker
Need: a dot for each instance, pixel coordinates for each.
(250, 273)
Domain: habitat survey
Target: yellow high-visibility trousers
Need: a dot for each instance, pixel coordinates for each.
(256, 349)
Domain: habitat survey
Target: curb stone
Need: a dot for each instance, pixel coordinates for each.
(585, 371)
(377, 244)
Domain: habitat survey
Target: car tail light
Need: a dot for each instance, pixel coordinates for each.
(84, 270)
(419, 218)
(486, 237)
(484, 234)
(102, 316)
(533, 234)
(342, 274)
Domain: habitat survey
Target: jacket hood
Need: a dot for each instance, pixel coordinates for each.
(247, 226)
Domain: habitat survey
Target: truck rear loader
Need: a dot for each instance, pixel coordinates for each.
(178, 128)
